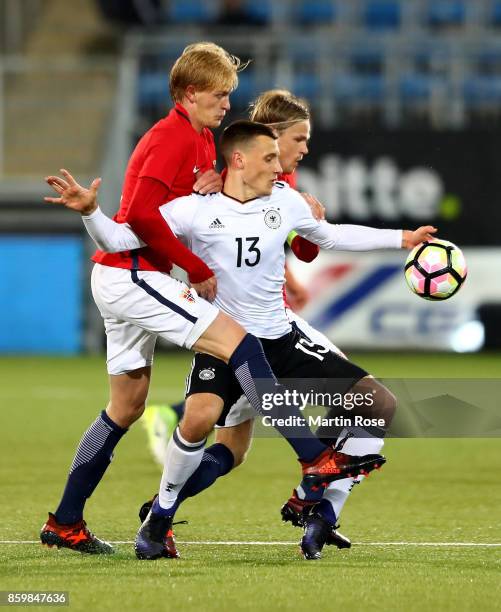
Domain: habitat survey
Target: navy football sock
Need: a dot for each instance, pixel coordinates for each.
(178, 409)
(217, 461)
(325, 509)
(92, 458)
(249, 365)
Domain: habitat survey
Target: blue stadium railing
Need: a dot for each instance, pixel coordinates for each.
(345, 71)
(374, 15)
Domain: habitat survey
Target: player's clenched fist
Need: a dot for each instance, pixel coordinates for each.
(207, 289)
(72, 195)
(208, 182)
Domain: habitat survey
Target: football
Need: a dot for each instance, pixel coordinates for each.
(435, 269)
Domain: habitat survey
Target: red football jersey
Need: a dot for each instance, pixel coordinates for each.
(290, 179)
(171, 152)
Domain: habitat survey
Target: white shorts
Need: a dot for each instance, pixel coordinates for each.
(241, 410)
(137, 307)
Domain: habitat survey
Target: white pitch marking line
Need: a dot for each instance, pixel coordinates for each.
(253, 543)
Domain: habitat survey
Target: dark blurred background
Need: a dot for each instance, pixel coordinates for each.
(406, 101)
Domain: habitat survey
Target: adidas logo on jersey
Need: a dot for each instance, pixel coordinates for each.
(216, 224)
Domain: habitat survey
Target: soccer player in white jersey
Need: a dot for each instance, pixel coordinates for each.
(290, 118)
(139, 301)
(240, 232)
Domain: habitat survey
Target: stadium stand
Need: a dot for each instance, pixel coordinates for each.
(80, 91)
(394, 61)
(189, 11)
(316, 13)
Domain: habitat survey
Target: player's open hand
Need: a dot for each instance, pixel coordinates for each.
(208, 182)
(317, 208)
(410, 239)
(206, 289)
(72, 195)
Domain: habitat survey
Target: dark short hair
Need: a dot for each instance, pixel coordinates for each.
(240, 132)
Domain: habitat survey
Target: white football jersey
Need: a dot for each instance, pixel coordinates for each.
(243, 243)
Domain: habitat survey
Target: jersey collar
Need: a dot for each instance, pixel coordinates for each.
(182, 112)
(237, 200)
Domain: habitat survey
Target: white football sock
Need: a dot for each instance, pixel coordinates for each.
(181, 459)
(338, 491)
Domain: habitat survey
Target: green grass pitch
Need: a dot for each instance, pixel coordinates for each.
(434, 491)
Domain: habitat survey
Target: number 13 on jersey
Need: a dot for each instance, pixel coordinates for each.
(248, 246)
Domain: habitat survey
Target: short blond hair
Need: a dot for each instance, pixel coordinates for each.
(280, 109)
(206, 66)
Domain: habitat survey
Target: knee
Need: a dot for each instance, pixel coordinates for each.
(382, 404)
(195, 429)
(125, 414)
(201, 413)
(385, 404)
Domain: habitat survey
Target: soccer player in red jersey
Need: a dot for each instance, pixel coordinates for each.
(139, 301)
(175, 157)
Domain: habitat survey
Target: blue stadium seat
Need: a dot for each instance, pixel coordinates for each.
(495, 14)
(305, 53)
(246, 90)
(479, 91)
(382, 15)
(418, 87)
(260, 10)
(422, 58)
(488, 61)
(440, 13)
(153, 90)
(316, 12)
(189, 11)
(351, 88)
(306, 85)
(367, 59)
(301, 49)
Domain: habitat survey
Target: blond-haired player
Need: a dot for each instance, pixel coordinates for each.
(139, 301)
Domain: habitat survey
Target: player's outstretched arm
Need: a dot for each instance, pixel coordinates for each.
(108, 235)
(362, 238)
(350, 237)
(303, 249)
